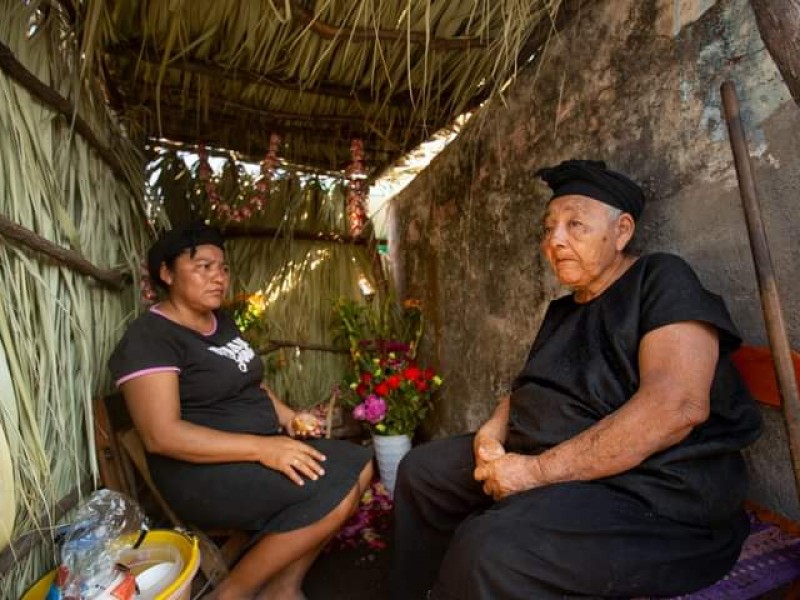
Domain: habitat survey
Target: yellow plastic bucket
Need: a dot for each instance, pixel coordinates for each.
(181, 586)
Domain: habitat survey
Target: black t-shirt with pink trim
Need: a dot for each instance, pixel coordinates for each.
(219, 374)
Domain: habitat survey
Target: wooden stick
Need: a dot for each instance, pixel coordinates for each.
(767, 284)
(51, 98)
(271, 232)
(132, 50)
(19, 548)
(369, 34)
(278, 344)
(115, 280)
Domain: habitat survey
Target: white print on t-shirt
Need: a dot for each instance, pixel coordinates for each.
(237, 350)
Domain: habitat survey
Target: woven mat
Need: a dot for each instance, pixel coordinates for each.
(770, 558)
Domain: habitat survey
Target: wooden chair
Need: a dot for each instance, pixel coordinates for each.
(123, 467)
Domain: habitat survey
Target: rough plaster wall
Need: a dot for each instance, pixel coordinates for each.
(635, 82)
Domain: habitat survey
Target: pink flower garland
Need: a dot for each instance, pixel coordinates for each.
(147, 294)
(256, 203)
(356, 189)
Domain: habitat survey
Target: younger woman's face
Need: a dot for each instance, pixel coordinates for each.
(200, 281)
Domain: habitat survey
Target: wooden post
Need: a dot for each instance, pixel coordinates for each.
(767, 282)
(779, 24)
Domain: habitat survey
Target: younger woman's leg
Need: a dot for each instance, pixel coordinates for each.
(293, 550)
(288, 582)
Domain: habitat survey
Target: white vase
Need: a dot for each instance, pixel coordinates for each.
(389, 449)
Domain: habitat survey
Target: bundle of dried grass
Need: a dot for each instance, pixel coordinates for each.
(56, 326)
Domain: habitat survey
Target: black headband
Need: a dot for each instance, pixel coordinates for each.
(591, 178)
(171, 243)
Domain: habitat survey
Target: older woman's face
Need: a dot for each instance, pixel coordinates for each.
(582, 241)
(200, 280)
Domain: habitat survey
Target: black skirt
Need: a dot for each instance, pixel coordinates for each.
(252, 497)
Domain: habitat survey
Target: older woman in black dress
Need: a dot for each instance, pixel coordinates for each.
(221, 447)
(613, 468)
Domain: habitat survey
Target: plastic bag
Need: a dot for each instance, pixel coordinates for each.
(91, 549)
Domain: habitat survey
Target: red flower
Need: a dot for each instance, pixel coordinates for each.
(421, 385)
(430, 373)
(382, 389)
(412, 373)
(366, 378)
(394, 381)
(362, 390)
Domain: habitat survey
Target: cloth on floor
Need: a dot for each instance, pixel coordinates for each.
(770, 558)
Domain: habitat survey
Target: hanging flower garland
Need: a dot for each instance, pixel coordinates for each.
(256, 203)
(147, 294)
(356, 189)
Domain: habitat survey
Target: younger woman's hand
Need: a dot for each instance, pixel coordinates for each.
(291, 457)
(304, 425)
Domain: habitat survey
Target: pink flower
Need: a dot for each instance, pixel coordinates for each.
(360, 412)
(375, 408)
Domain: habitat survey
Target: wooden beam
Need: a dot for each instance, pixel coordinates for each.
(370, 34)
(274, 345)
(51, 98)
(779, 24)
(244, 142)
(251, 158)
(114, 280)
(171, 96)
(237, 232)
(136, 50)
(19, 548)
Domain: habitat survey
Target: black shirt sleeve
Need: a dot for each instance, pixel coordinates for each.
(143, 350)
(672, 293)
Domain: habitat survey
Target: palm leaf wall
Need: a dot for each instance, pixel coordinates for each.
(56, 326)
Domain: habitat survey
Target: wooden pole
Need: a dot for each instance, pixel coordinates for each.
(49, 97)
(64, 256)
(278, 344)
(370, 34)
(19, 548)
(271, 232)
(770, 299)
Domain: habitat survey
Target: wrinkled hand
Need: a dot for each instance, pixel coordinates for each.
(487, 449)
(304, 425)
(291, 457)
(509, 474)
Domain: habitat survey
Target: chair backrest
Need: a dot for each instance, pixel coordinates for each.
(757, 368)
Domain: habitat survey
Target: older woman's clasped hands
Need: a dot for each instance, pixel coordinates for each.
(504, 473)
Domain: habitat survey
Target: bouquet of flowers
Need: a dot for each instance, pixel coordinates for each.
(391, 393)
(388, 390)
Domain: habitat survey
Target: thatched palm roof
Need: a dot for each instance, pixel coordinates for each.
(228, 73)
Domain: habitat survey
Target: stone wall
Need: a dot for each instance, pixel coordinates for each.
(634, 82)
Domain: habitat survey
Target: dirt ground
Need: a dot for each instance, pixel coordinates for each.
(349, 574)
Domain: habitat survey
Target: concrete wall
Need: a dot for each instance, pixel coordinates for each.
(635, 82)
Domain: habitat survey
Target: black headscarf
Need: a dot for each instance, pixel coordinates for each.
(171, 243)
(593, 179)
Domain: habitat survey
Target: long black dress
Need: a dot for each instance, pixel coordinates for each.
(672, 525)
(219, 377)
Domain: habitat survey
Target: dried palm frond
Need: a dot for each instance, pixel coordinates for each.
(319, 72)
(56, 326)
